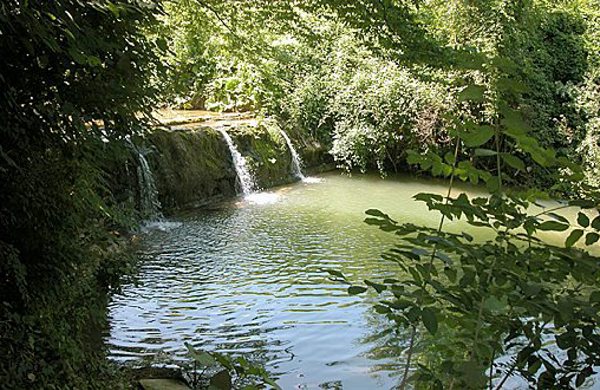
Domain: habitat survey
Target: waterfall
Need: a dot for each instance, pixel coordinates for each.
(149, 204)
(296, 160)
(244, 176)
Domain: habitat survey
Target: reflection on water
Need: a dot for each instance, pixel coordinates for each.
(247, 277)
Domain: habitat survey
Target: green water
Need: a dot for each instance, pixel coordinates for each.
(247, 277)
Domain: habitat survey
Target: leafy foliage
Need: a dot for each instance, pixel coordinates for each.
(503, 93)
(512, 295)
(373, 79)
(72, 85)
(225, 372)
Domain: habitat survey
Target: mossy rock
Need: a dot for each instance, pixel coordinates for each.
(266, 152)
(191, 167)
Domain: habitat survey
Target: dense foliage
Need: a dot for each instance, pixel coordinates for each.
(374, 79)
(72, 83)
(512, 296)
(505, 93)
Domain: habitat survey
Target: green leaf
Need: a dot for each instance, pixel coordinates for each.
(376, 213)
(595, 297)
(472, 372)
(413, 157)
(429, 320)
(450, 274)
(449, 158)
(596, 223)
(420, 251)
(583, 220)
(493, 184)
(531, 289)
(221, 380)
(162, 44)
(485, 152)
(380, 309)
(553, 225)
(513, 121)
(355, 290)
(584, 204)
(513, 161)
(334, 273)
(473, 93)
(573, 237)
(512, 85)
(591, 238)
(201, 357)
(475, 135)
(377, 286)
(558, 217)
(493, 304)
(535, 366)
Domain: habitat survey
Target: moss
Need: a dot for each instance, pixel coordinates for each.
(314, 152)
(266, 153)
(193, 167)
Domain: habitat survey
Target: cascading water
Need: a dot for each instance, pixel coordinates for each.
(244, 176)
(149, 204)
(296, 160)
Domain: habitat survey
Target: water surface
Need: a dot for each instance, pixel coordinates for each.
(247, 277)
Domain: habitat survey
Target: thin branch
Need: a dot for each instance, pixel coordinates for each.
(508, 374)
(443, 218)
(492, 368)
(480, 312)
(516, 363)
(218, 16)
(433, 253)
(566, 206)
(491, 270)
(411, 344)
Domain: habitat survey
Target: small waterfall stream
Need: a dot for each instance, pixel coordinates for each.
(149, 204)
(244, 176)
(296, 160)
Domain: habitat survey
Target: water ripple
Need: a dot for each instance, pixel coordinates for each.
(246, 277)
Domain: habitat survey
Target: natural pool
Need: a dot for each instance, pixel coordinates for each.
(247, 277)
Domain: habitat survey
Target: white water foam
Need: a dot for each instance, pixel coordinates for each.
(245, 178)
